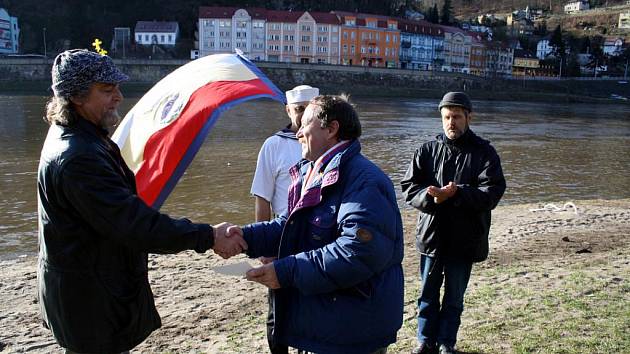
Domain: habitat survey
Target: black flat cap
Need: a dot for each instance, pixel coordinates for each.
(458, 99)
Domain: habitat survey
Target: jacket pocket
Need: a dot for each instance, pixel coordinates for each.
(322, 229)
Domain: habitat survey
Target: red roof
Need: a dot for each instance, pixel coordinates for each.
(283, 16)
(155, 26)
(361, 15)
(419, 27)
(227, 12)
(325, 17)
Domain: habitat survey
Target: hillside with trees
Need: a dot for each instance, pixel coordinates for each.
(76, 23)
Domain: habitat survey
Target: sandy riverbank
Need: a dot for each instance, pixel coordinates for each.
(206, 312)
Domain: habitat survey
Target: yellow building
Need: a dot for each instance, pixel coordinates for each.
(526, 64)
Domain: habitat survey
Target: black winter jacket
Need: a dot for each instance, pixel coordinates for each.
(94, 235)
(457, 228)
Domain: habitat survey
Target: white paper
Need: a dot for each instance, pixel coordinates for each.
(234, 269)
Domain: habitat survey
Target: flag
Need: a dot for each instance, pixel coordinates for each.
(161, 134)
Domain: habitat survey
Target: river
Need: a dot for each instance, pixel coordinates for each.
(550, 153)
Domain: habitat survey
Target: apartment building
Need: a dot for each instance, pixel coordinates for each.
(224, 29)
(302, 37)
(457, 47)
(369, 40)
(9, 33)
(421, 45)
(477, 54)
(499, 59)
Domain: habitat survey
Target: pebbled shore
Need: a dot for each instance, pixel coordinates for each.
(206, 312)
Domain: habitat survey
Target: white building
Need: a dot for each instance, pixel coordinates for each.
(9, 33)
(223, 29)
(624, 20)
(613, 46)
(156, 32)
(576, 6)
(543, 49)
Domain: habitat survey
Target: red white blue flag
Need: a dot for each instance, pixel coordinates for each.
(162, 133)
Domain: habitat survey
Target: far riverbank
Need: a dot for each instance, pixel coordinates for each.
(33, 75)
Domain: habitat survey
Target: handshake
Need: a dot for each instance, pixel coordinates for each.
(228, 240)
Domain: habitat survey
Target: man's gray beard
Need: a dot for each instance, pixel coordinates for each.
(110, 122)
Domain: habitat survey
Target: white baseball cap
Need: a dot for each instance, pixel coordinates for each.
(302, 93)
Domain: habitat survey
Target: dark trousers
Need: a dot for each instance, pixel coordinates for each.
(439, 323)
(378, 351)
(274, 348)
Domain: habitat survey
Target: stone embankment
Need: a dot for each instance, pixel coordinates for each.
(30, 75)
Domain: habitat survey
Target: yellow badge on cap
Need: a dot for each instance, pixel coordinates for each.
(364, 235)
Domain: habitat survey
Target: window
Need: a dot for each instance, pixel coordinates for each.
(371, 24)
(306, 28)
(352, 35)
(257, 24)
(362, 50)
(306, 38)
(350, 23)
(306, 48)
(288, 27)
(322, 39)
(345, 35)
(391, 26)
(211, 33)
(345, 49)
(387, 38)
(146, 37)
(352, 49)
(323, 28)
(378, 36)
(138, 38)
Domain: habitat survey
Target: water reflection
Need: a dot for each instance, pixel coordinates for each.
(550, 152)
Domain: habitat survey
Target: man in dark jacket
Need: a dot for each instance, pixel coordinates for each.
(338, 280)
(94, 231)
(455, 181)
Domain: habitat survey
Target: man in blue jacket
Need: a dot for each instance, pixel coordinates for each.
(338, 279)
(455, 181)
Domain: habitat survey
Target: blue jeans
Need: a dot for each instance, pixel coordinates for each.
(439, 324)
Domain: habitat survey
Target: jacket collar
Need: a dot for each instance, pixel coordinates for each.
(469, 137)
(287, 133)
(91, 128)
(329, 176)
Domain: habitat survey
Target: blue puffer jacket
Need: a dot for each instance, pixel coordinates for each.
(339, 259)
